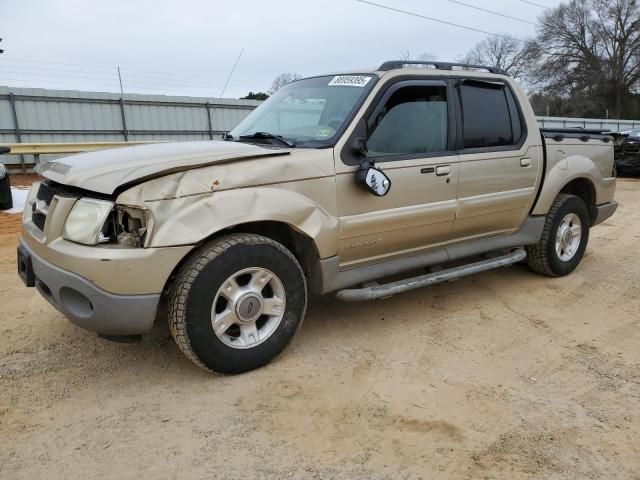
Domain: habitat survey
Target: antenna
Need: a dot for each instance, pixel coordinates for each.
(230, 74)
(226, 84)
(120, 80)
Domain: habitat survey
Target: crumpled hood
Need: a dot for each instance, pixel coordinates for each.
(104, 171)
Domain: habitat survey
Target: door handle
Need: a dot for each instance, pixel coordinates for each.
(442, 170)
(525, 162)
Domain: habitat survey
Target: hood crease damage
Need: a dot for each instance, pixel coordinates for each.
(113, 170)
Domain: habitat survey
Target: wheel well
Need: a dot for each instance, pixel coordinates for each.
(583, 188)
(299, 244)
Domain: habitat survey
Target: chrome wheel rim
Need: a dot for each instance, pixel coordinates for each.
(568, 237)
(248, 308)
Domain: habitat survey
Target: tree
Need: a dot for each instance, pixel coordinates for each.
(255, 96)
(421, 57)
(282, 80)
(506, 53)
(590, 50)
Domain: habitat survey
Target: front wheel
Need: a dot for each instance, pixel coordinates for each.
(237, 303)
(564, 238)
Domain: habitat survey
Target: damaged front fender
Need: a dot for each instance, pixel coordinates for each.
(188, 207)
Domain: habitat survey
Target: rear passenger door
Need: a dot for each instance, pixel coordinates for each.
(499, 161)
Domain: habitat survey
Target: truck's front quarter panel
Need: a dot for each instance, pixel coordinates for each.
(189, 207)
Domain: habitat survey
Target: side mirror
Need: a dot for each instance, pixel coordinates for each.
(374, 180)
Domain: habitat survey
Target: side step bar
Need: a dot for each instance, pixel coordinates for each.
(375, 291)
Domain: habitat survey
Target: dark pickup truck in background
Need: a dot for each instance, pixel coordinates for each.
(627, 152)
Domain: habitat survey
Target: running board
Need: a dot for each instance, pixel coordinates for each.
(375, 291)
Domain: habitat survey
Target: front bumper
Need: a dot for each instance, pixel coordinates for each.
(82, 302)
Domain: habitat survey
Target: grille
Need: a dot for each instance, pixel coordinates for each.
(46, 192)
(45, 195)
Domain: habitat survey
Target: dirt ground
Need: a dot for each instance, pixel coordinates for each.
(22, 179)
(506, 374)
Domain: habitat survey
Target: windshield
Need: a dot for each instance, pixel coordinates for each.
(309, 112)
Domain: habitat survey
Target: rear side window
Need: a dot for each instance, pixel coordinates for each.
(489, 116)
(413, 121)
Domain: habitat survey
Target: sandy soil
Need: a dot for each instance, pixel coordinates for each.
(502, 375)
(22, 179)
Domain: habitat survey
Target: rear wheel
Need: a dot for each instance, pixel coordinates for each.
(237, 303)
(564, 238)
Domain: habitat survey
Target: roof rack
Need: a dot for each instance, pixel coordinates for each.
(397, 64)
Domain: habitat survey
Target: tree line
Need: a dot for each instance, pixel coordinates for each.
(584, 60)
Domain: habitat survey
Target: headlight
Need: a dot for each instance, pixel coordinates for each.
(86, 220)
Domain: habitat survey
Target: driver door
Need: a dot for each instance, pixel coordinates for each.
(411, 138)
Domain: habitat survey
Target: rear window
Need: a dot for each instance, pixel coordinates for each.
(487, 119)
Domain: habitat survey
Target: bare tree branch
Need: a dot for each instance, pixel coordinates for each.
(590, 47)
(282, 80)
(504, 53)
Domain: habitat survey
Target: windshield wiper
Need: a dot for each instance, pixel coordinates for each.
(268, 136)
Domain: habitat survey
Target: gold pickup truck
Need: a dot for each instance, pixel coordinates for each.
(421, 171)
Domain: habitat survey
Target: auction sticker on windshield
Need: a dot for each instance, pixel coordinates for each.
(349, 81)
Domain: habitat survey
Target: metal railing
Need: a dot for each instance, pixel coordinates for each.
(18, 129)
(614, 125)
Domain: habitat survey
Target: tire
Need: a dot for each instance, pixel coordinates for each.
(256, 326)
(544, 257)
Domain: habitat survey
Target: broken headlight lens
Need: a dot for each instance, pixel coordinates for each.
(86, 221)
(130, 226)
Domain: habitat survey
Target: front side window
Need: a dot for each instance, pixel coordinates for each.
(486, 116)
(414, 120)
(308, 112)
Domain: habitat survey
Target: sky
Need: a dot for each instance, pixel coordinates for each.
(188, 47)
